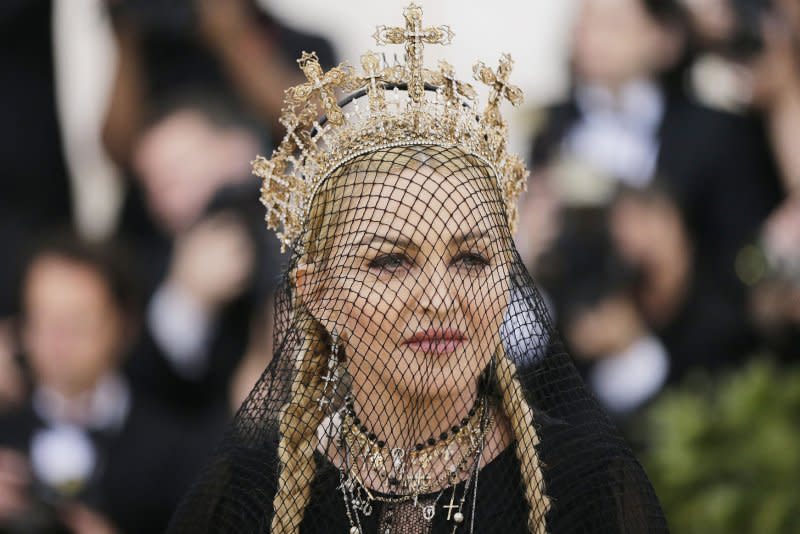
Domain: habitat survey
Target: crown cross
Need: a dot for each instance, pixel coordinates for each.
(451, 86)
(274, 189)
(309, 152)
(322, 84)
(374, 79)
(291, 123)
(499, 88)
(413, 36)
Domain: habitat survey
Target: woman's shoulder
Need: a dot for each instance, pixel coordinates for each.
(592, 477)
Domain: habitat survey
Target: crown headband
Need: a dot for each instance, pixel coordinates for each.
(314, 148)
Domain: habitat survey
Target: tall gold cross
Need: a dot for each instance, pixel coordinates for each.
(499, 88)
(321, 83)
(413, 35)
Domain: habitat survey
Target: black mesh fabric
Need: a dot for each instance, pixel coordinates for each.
(417, 385)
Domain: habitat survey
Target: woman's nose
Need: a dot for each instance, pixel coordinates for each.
(436, 291)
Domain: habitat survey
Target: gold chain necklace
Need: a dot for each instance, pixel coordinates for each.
(409, 472)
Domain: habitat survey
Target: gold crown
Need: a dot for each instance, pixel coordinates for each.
(407, 104)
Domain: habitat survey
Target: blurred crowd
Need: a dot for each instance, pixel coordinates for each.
(122, 361)
(662, 222)
(663, 213)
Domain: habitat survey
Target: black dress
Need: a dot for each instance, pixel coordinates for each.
(593, 481)
(500, 507)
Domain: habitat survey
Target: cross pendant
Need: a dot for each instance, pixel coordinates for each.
(452, 506)
(328, 378)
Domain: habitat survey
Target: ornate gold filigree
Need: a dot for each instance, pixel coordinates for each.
(414, 36)
(400, 112)
(451, 86)
(374, 79)
(320, 84)
(499, 89)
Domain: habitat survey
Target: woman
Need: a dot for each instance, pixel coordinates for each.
(416, 385)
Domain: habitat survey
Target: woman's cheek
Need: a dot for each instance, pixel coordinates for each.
(367, 309)
(386, 300)
(487, 307)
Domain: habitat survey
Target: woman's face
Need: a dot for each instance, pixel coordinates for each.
(416, 281)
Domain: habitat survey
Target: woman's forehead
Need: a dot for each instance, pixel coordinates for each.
(424, 203)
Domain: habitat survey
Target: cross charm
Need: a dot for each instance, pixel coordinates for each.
(328, 378)
(452, 506)
(413, 35)
(499, 88)
(322, 84)
(373, 78)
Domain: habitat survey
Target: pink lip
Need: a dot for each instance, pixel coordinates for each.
(436, 340)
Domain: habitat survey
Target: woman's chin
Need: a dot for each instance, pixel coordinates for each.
(442, 373)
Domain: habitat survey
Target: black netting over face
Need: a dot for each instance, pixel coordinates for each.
(417, 384)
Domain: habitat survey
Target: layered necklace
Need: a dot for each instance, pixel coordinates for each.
(437, 463)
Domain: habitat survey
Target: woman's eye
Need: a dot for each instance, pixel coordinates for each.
(389, 261)
(471, 259)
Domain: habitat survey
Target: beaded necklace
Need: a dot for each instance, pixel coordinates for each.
(407, 472)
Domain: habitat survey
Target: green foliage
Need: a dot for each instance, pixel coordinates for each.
(724, 455)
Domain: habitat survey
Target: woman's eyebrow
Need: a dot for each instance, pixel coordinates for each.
(473, 235)
(399, 240)
(393, 238)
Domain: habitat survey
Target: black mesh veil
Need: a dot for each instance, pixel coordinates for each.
(417, 384)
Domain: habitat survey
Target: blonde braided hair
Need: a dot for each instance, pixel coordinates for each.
(299, 420)
(520, 416)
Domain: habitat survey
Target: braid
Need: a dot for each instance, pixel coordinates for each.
(520, 416)
(298, 430)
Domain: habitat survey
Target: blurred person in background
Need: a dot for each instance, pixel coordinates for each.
(232, 47)
(34, 187)
(624, 54)
(210, 263)
(694, 320)
(191, 146)
(628, 120)
(595, 292)
(209, 277)
(85, 453)
(748, 62)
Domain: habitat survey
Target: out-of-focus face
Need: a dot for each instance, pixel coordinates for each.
(648, 230)
(183, 160)
(605, 328)
(616, 41)
(416, 281)
(712, 20)
(72, 327)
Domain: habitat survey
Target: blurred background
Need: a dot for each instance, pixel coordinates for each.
(662, 223)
